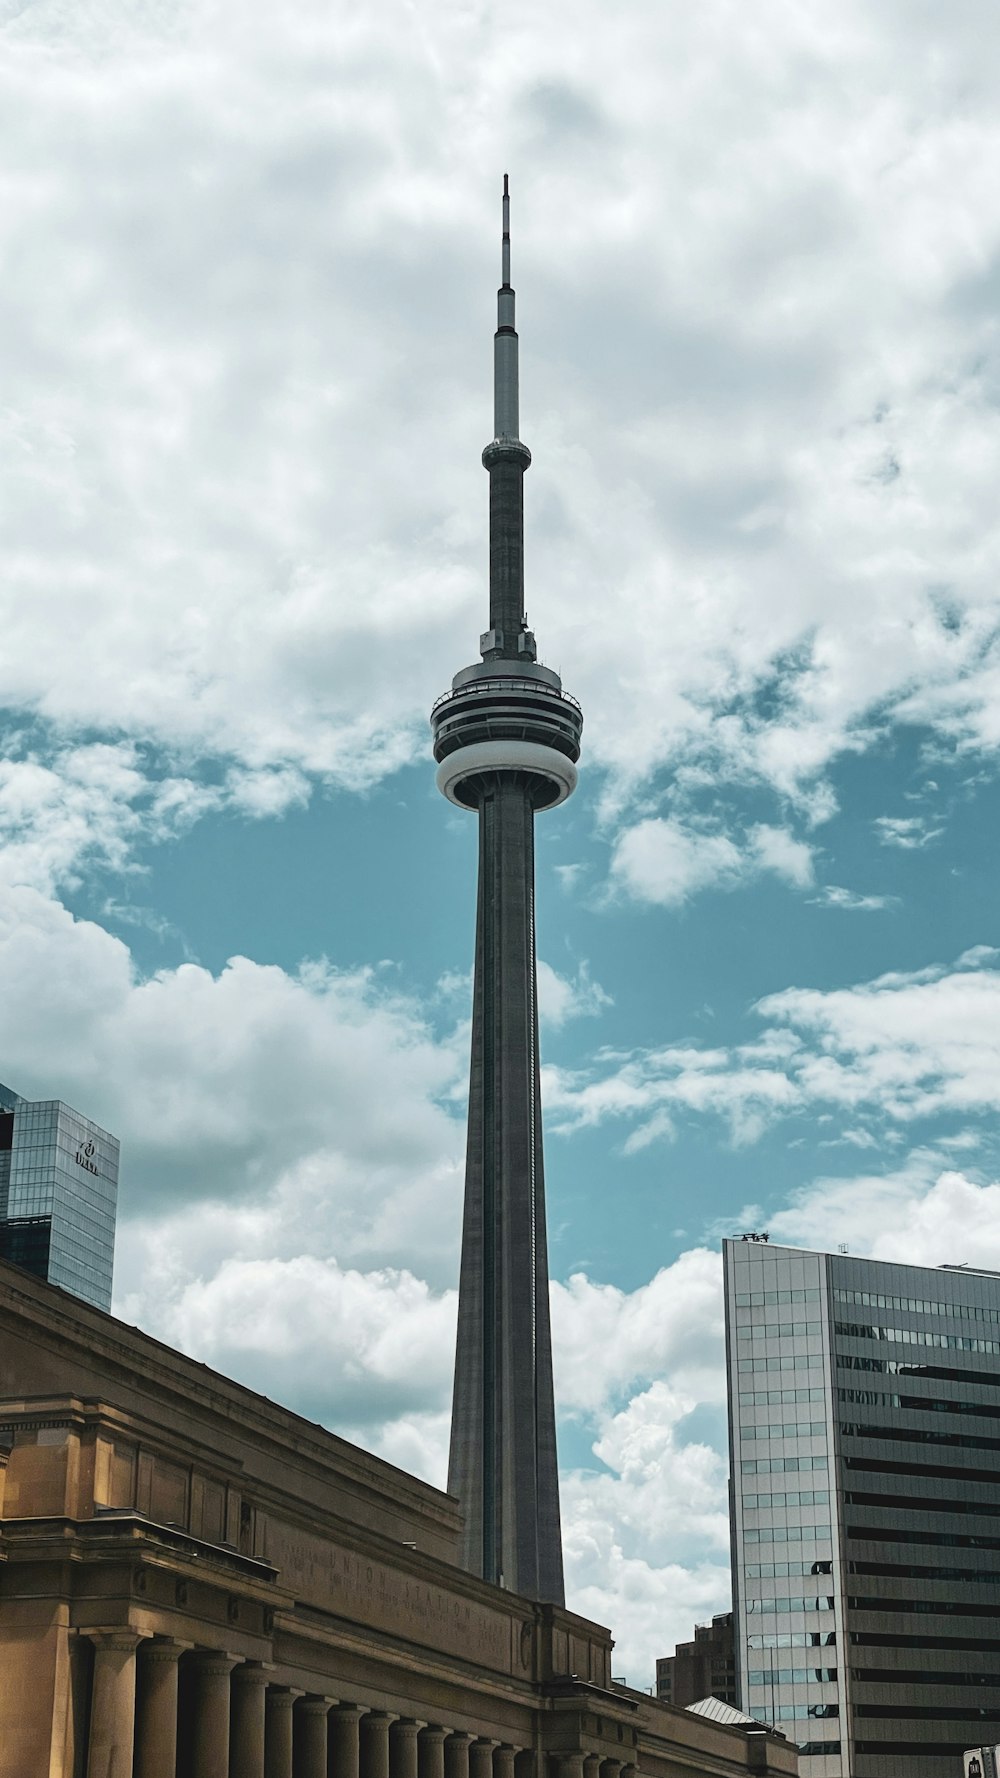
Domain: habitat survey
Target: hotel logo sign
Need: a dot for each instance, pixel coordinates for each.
(85, 1157)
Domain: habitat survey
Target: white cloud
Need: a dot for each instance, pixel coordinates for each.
(568, 875)
(835, 896)
(264, 793)
(776, 850)
(661, 861)
(646, 1543)
(348, 1348)
(653, 1087)
(916, 1215)
(318, 1093)
(907, 1045)
(55, 817)
(605, 1340)
(910, 832)
(67, 810)
(563, 997)
(217, 536)
(898, 1049)
(646, 1533)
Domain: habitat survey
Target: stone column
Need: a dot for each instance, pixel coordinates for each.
(375, 1744)
(481, 1758)
(309, 1739)
(591, 1765)
(456, 1755)
(246, 1729)
(403, 1747)
(211, 1714)
(112, 1707)
(569, 1765)
(430, 1752)
(503, 1761)
(611, 1768)
(278, 1731)
(343, 1741)
(156, 1717)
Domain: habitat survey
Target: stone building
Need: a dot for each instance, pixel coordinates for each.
(196, 1583)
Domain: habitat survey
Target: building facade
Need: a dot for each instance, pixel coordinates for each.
(864, 1433)
(58, 1195)
(506, 738)
(703, 1668)
(195, 1583)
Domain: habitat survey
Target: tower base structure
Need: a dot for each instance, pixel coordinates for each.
(503, 1441)
(507, 739)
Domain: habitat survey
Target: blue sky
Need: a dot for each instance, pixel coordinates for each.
(246, 336)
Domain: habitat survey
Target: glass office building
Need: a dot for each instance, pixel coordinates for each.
(58, 1195)
(864, 1416)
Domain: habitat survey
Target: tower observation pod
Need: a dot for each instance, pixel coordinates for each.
(506, 739)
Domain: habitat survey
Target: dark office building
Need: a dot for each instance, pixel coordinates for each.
(864, 1431)
(704, 1668)
(58, 1195)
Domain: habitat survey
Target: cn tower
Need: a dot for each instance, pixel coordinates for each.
(506, 739)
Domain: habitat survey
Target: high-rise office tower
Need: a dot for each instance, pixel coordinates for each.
(506, 738)
(58, 1194)
(864, 1435)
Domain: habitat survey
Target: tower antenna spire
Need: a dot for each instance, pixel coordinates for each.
(506, 458)
(505, 375)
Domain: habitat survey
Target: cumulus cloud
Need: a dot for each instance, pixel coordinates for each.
(647, 1527)
(646, 1542)
(904, 1047)
(651, 1088)
(606, 1339)
(775, 849)
(66, 809)
(664, 860)
(199, 552)
(660, 860)
(320, 1092)
(908, 1045)
(915, 1214)
(563, 997)
(348, 1348)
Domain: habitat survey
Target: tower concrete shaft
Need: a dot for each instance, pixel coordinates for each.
(507, 738)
